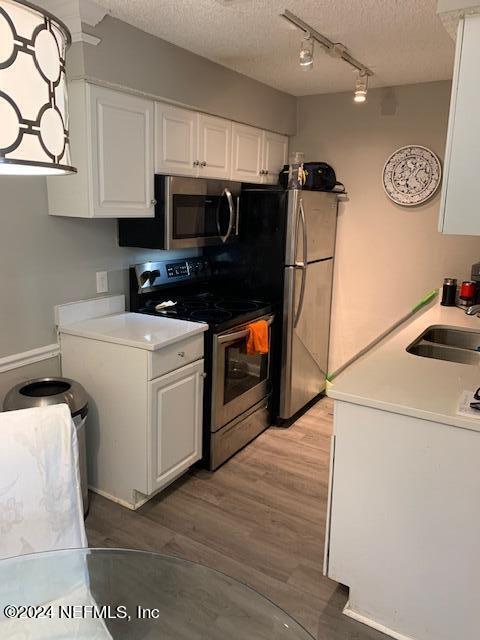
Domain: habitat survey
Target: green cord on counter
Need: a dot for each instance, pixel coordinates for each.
(426, 298)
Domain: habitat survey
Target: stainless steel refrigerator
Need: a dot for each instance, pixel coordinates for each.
(285, 254)
(309, 252)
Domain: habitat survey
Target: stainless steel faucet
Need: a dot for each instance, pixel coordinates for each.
(471, 311)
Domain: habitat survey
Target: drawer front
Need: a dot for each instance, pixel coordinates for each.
(175, 356)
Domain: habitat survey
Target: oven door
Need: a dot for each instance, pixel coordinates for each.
(239, 380)
(200, 220)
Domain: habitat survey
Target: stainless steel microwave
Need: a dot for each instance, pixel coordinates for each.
(189, 212)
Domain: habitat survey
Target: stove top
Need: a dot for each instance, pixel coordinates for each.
(217, 310)
(189, 285)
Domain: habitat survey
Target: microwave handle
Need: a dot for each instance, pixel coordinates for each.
(231, 222)
(237, 335)
(237, 218)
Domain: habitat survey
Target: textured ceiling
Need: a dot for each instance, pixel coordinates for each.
(402, 41)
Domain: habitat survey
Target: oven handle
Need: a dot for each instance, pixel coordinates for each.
(231, 222)
(228, 337)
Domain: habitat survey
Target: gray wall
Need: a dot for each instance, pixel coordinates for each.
(131, 57)
(8, 379)
(47, 260)
(387, 256)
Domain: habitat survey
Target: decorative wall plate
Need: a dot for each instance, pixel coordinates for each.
(411, 175)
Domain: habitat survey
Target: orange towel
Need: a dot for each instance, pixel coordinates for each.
(257, 341)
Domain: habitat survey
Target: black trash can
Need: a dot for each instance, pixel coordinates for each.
(46, 391)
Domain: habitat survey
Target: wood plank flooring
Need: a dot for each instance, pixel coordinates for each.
(260, 519)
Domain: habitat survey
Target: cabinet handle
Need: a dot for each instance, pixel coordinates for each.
(153, 201)
(196, 163)
(203, 375)
(203, 164)
(261, 172)
(181, 354)
(266, 172)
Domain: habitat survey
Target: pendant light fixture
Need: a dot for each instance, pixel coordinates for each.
(34, 138)
(361, 87)
(306, 52)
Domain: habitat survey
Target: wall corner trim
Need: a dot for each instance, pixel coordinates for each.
(17, 360)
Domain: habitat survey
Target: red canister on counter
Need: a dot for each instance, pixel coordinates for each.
(467, 292)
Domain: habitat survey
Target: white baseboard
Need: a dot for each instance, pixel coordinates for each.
(122, 503)
(374, 624)
(17, 360)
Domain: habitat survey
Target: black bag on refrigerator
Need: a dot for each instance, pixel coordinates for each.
(319, 176)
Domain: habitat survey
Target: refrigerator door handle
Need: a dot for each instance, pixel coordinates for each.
(302, 294)
(305, 237)
(302, 265)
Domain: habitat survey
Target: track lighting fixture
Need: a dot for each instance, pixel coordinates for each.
(335, 49)
(361, 87)
(306, 52)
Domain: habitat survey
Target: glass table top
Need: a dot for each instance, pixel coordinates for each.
(103, 594)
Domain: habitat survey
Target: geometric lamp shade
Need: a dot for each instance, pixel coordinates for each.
(34, 137)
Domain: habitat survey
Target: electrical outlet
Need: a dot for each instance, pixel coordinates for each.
(102, 281)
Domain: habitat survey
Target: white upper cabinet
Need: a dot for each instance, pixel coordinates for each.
(461, 186)
(122, 153)
(275, 150)
(112, 148)
(247, 143)
(176, 133)
(188, 143)
(257, 155)
(214, 146)
(119, 141)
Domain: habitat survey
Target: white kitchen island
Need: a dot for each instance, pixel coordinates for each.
(403, 529)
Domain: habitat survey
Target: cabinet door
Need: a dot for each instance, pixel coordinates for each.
(246, 153)
(275, 149)
(461, 187)
(176, 140)
(122, 154)
(214, 146)
(175, 424)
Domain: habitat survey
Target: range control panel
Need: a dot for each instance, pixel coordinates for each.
(151, 275)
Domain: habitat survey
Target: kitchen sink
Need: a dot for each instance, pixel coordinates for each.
(453, 337)
(445, 343)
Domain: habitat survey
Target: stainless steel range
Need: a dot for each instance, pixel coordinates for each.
(238, 385)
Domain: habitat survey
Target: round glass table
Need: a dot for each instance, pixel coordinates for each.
(103, 594)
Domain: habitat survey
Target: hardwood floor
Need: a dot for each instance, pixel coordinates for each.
(260, 519)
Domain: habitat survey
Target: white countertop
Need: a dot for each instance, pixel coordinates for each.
(390, 378)
(136, 330)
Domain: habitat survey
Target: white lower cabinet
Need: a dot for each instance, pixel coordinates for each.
(174, 424)
(403, 522)
(144, 426)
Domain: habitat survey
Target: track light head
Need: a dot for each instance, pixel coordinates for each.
(361, 87)
(306, 52)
